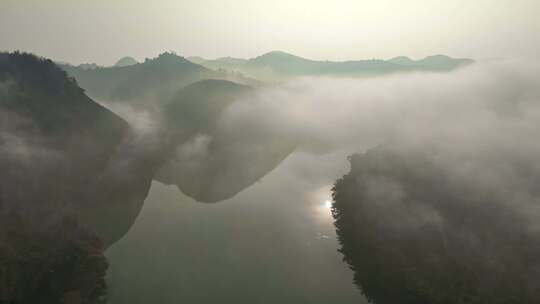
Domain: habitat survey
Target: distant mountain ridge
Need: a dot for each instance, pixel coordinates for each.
(126, 61)
(277, 64)
(223, 62)
(156, 79)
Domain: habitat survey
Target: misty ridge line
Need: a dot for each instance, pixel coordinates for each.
(271, 56)
(276, 66)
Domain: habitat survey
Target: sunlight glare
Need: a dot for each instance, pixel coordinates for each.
(328, 204)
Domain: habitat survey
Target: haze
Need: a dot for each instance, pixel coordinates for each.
(102, 31)
(267, 152)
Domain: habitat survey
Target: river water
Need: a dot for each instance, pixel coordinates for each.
(272, 243)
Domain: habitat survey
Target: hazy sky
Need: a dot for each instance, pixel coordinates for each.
(103, 30)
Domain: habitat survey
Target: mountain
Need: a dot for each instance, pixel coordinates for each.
(83, 66)
(74, 179)
(284, 64)
(197, 59)
(228, 63)
(213, 162)
(402, 60)
(276, 65)
(153, 79)
(88, 66)
(278, 58)
(442, 63)
(125, 61)
(151, 82)
(55, 143)
(68, 152)
(414, 230)
(37, 90)
(431, 63)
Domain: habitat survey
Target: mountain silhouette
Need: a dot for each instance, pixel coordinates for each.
(55, 146)
(278, 64)
(125, 61)
(402, 60)
(151, 82)
(64, 155)
(153, 79)
(228, 63)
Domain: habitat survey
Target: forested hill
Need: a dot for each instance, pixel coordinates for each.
(152, 81)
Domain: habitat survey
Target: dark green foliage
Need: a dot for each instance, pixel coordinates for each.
(55, 264)
(34, 73)
(73, 181)
(39, 89)
(60, 150)
(54, 138)
(414, 234)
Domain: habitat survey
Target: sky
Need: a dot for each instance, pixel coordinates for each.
(102, 31)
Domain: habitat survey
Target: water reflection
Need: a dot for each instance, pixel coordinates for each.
(272, 243)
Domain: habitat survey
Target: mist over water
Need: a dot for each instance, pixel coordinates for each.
(280, 230)
(476, 123)
(332, 113)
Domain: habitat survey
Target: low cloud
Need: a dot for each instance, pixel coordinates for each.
(324, 114)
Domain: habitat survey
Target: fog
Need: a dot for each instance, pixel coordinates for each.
(487, 111)
(467, 140)
(325, 114)
(264, 152)
(478, 125)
